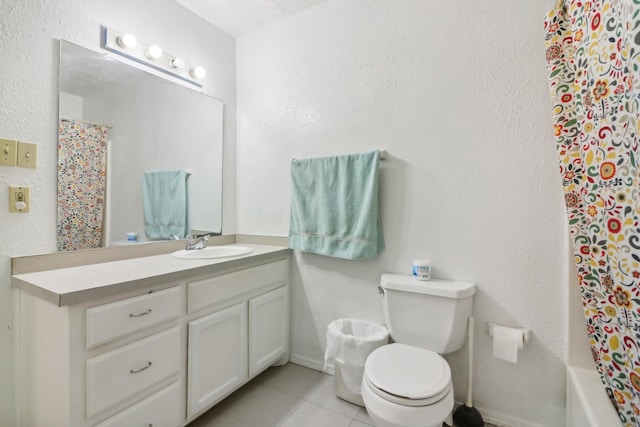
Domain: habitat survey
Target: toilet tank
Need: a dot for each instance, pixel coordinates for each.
(430, 314)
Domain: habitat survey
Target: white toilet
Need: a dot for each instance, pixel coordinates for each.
(408, 383)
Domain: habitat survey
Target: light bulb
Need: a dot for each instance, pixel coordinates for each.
(198, 72)
(127, 41)
(153, 52)
(177, 63)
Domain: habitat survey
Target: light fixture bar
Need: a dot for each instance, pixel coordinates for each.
(152, 56)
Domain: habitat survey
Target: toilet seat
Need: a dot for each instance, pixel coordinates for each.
(407, 375)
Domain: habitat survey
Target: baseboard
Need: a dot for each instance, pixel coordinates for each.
(501, 420)
(311, 364)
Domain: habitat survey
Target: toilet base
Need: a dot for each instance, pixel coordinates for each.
(388, 414)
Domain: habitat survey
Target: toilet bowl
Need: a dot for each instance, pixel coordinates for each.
(406, 386)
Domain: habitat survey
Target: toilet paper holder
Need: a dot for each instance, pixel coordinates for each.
(526, 332)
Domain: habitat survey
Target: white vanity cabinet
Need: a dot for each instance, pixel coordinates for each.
(76, 368)
(240, 328)
(158, 350)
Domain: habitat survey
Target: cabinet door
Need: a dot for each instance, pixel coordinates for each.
(269, 329)
(217, 356)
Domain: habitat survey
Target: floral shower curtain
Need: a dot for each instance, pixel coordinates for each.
(593, 61)
(82, 171)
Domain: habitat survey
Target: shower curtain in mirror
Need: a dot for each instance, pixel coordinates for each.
(593, 62)
(82, 167)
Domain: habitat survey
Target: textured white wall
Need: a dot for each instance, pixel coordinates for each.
(456, 91)
(29, 31)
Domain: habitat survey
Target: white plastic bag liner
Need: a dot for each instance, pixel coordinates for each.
(349, 343)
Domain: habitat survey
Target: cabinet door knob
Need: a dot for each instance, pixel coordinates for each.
(135, 371)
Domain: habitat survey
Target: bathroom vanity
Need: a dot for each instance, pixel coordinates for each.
(151, 341)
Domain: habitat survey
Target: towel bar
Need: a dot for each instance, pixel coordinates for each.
(383, 156)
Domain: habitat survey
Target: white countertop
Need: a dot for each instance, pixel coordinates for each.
(72, 285)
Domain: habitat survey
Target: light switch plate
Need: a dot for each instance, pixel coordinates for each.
(27, 154)
(19, 199)
(8, 152)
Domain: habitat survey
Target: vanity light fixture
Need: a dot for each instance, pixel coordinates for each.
(127, 41)
(177, 63)
(152, 56)
(198, 72)
(153, 52)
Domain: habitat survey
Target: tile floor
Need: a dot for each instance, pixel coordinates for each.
(287, 396)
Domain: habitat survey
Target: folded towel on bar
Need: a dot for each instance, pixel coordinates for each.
(334, 206)
(165, 204)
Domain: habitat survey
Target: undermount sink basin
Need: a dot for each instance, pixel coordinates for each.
(212, 252)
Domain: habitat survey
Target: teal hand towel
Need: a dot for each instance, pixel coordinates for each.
(334, 206)
(165, 199)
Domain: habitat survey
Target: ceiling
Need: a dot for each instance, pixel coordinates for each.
(237, 17)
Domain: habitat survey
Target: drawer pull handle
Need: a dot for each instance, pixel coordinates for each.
(144, 313)
(135, 371)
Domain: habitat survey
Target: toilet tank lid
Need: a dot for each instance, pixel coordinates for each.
(438, 287)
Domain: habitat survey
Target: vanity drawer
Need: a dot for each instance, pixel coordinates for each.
(119, 374)
(110, 321)
(216, 290)
(160, 410)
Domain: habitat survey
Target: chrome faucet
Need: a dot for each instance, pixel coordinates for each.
(198, 241)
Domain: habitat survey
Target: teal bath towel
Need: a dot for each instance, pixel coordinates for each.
(334, 206)
(165, 198)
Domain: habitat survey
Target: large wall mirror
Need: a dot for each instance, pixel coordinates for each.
(119, 124)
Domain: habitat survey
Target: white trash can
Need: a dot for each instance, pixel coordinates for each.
(349, 343)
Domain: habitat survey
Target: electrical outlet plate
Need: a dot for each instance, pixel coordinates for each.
(27, 154)
(8, 152)
(19, 199)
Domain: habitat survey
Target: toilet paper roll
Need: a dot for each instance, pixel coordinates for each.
(506, 343)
